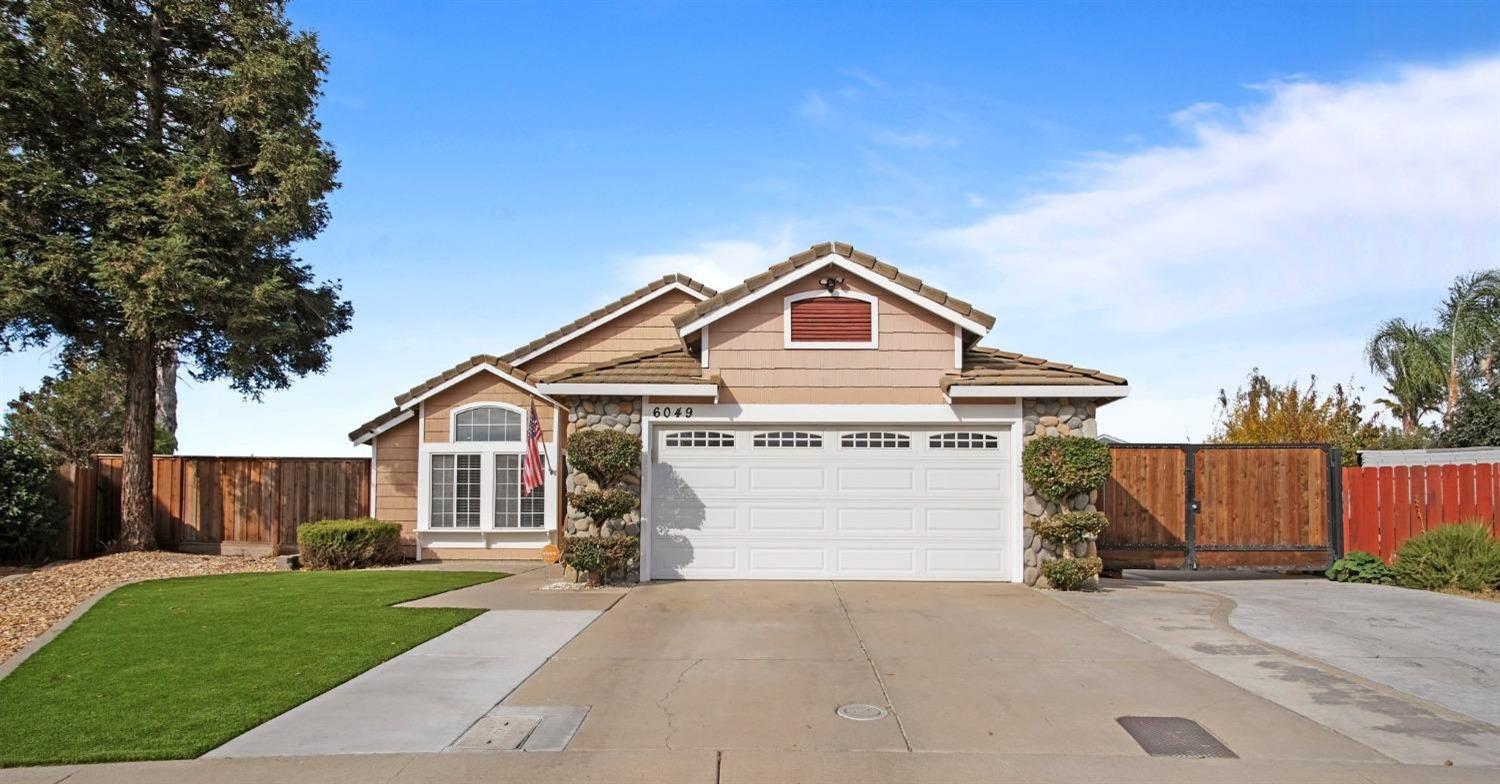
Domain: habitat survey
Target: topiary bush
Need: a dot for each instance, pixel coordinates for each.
(30, 515)
(349, 544)
(1358, 566)
(1071, 527)
(603, 505)
(599, 556)
(607, 456)
(1070, 574)
(1060, 466)
(1464, 556)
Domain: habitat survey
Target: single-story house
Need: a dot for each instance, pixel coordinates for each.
(830, 417)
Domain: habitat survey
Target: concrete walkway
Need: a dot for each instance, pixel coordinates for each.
(426, 698)
(1437, 647)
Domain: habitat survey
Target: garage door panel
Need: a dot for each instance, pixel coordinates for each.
(812, 560)
(966, 479)
(788, 519)
(858, 520)
(695, 517)
(883, 479)
(945, 520)
(773, 479)
(892, 563)
(688, 481)
(968, 560)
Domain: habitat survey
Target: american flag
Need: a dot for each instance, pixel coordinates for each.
(531, 468)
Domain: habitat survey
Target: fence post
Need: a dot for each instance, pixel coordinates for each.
(1336, 501)
(1190, 521)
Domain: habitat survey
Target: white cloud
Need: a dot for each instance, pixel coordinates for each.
(1322, 192)
(918, 140)
(717, 263)
(814, 107)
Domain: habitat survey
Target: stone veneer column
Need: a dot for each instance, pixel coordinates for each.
(1053, 417)
(605, 413)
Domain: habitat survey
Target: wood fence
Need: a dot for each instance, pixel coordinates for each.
(1386, 505)
(216, 504)
(1220, 506)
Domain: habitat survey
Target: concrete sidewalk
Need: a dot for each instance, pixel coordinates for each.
(426, 698)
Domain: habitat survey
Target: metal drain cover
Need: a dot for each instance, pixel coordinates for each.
(859, 711)
(1174, 736)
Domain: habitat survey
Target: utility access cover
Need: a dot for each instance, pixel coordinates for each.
(1174, 736)
(859, 711)
(498, 733)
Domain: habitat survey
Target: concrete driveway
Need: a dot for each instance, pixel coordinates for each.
(963, 667)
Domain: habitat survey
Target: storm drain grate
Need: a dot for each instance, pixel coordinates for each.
(1174, 736)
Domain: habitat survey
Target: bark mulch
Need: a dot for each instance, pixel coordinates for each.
(30, 603)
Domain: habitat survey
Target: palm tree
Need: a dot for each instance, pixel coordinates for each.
(1469, 327)
(1410, 357)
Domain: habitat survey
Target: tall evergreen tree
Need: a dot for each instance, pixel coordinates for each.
(160, 160)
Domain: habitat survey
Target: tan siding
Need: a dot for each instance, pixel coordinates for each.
(648, 326)
(483, 387)
(747, 350)
(396, 477)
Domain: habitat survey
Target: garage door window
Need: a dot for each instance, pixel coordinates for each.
(962, 440)
(788, 438)
(700, 438)
(875, 440)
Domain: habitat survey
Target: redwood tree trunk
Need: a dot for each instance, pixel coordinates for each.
(137, 529)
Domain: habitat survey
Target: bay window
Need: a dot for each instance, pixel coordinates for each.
(474, 481)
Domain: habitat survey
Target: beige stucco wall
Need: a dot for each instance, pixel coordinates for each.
(747, 350)
(648, 326)
(483, 387)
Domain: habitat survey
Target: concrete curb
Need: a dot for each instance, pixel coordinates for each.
(9, 665)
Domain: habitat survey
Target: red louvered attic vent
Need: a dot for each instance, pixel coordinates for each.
(831, 320)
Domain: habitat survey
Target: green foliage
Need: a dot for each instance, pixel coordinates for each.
(1476, 422)
(1060, 466)
(1421, 437)
(604, 505)
(349, 544)
(606, 456)
(30, 515)
(1411, 359)
(1071, 527)
(168, 669)
(1266, 413)
(600, 556)
(1358, 566)
(1464, 556)
(75, 414)
(1070, 574)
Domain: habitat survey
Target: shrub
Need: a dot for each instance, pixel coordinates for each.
(604, 505)
(1070, 527)
(1462, 556)
(349, 544)
(1069, 574)
(30, 515)
(599, 556)
(607, 456)
(1059, 466)
(1359, 566)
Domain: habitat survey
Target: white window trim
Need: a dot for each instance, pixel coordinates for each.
(786, 320)
(474, 371)
(453, 420)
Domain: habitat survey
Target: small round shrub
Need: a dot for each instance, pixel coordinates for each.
(1060, 466)
(1070, 574)
(1358, 566)
(1071, 527)
(1464, 556)
(599, 556)
(348, 544)
(607, 456)
(604, 505)
(30, 515)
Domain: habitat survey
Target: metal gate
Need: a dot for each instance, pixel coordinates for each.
(1218, 506)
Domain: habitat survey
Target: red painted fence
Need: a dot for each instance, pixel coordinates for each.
(1386, 505)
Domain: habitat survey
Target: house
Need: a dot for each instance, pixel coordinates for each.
(830, 417)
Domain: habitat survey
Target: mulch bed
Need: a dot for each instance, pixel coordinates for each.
(30, 603)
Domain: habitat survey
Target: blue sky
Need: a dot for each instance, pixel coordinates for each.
(1171, 192)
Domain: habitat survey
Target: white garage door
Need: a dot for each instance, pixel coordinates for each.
(792, 502)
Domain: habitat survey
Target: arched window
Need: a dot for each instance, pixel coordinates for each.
(487, 423)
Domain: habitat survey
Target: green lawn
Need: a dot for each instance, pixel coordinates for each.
(172, 668)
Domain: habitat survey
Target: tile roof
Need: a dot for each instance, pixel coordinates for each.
(599, 313)
(993, 367)
(665, 365)
(355, 434)
(799, 260)
(438, 380)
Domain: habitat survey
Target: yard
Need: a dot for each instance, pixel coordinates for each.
(169, 669)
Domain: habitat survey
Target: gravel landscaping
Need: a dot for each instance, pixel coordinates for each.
(30, 603)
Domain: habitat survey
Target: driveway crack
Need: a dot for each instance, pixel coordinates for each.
(884, 693)
(661, 702)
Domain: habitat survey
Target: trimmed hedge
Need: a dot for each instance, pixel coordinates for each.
(599, 556)
(1060, 466)
(1070, 574)
(1463, 556)
(30, 516)
(1071, 527)
(604, 505)
(349, 544)
(607, 456)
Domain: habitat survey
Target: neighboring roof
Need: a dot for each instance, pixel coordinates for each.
(823, 250)
(666, 365)
(593, 319)
(992, 367)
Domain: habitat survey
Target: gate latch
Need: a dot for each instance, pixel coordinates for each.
(1196, 506)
